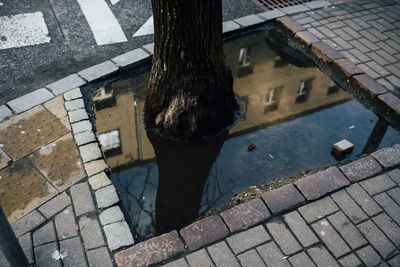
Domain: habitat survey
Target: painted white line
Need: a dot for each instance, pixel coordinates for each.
(146, 29)
(104, 25)
(22, 30)
(114, 2)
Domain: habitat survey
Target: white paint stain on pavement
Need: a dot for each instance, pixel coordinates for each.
(104, 25)
(146, 29)
(23, 30)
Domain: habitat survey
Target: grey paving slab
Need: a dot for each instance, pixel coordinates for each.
(248, 239)
(361, 169)
(99, 180)
(322, 257)
(82, 126)
(74, 104)
(25, 242)
(65, 224)
(27, 223)
(199, 258)
(390, 207)
(283, 237)
(395, 194)
(99, 257)
(389, 227)
(95, 167)
(350, 260)
(177, 263)
(45, 234)
(111, 215)
(301, 259)
(300, 229)
(149, 48)
(82, 198)
(84, 138)
(318, 209)
(55, 205)
(363, 199)
(77, 115)
(5, 113)
(99, 71)
(369, 256)
(61, 86)
(295, 9)
(131, 58)
(387, 157)
(43, 256)
(73, 94)
(106, 196)
(250, 20)
(272, 255)
(90, 152)
(317, 4)
(28, 101)
(75, 256)
(349, 206)
(395, 261)
(377, 184)
(221, 255)
(251, 258)
(91, 233)
(271, 14)
(230, 26)
(118, 235)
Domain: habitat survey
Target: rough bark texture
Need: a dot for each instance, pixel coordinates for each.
(190, 90)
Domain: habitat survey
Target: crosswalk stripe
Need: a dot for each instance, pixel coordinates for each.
(146, 29)
(104, 25)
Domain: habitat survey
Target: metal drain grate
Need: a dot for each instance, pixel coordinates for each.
(273, 4)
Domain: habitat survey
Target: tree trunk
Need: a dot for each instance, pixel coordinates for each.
(190, 91)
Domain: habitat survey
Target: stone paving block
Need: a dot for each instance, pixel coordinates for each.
(317, 4)
(248, 239)
(389, 227)
(27, 223)
(99, 71)
(361, 169)
(73, 94)
(43, 256)
(204, 232)
(377, 239)
(84, 138)
(295, 9)
(318, 209)
(395, 194)
(75, 252)
(65, 224)
(99, 180)
(349, 206)
(321, 183)
(322, 257)
(331, 238)
(271, 255)
(82, 198)
(283, 198)
(149, 48)
(369, 256)
(248, 21)
(90, 152)
(131, 58)
(28, 101)
(306, 38)
(245, 215)
(65, 84)
(395, 175)
(151, 251)
(177, 263)
(363, 199)
(25, 242)
(45, 234)
(289, 25)
(99, 257)
(95, 167)
(271, 14)
(250, 258)
(74, 104)
(55, 205)
(390, 207)
(283, 237)
(56, 107)
(111, 215)
(324, 53)
(395, 261)
(377, 184)
(5, 113)
(91, 233)
(350, 261)
(347, 230)
(345, 69)
(391, 105)
(118, 235)
(106, 196)
(388, 156)
(221, 255)
(301, 230)
(230, 26)
(4, 159)
(77, 115)
(301, 259)
(199, 258)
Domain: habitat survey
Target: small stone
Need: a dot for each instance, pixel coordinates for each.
(111, 215)
(99, 180)
(106, 197)
(118, 235)
(343, 147)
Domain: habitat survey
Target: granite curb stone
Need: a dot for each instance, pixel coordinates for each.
(84, 138)
(295, 9)
(99, 180)
(366, 87)
(131, 58)
(106, 197)
(317, 4)
(388, 157)
(289, 25)
(98, 71)
(74, 104)
(271, 14)
(73, 94)
(283, 198)
(77, 115)
(28, 101)
(230, 26)
(65, 84)
(95, 167)
(111, 215)
(118, 235)
(306, 38)
(361, 169)
(55, 205)
(248, 21)
(90, 152)
(5, 113)
(80, 127)
(149, 48)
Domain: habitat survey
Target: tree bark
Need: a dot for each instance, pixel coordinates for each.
(190, 91)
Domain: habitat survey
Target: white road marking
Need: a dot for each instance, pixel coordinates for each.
(1, 4)
(104, 25)
(114, 2)
(23, 30)
(146, 29)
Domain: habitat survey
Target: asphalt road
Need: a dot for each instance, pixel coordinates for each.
(42, 41)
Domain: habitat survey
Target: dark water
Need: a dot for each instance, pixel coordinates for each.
(293, 116)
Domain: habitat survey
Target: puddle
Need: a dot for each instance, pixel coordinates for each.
(293, 116)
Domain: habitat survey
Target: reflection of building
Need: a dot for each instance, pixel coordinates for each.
(271, 92)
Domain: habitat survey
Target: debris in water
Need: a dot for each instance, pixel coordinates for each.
(59, 255)
(270, 156)
(281, 168)
(342, 147)
(352, 127)
(251, 147)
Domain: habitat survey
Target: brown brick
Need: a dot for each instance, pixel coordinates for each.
(204, 232)
(361, 169)
(306, 38)
(388, 156)
(245, 215)
(345, 69)
(289, 24)
(319, 184)
(388, 106)
(151, 251)
(324, 52)
(392, 102)
(283, 198)
(366, 87)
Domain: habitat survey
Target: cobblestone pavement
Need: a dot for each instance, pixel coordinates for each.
(68, 212)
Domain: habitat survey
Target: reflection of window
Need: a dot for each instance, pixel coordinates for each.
(103, 99)
(245, 61)
(110, 142)
(333, 88)
(303, 91)
(272, 99)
